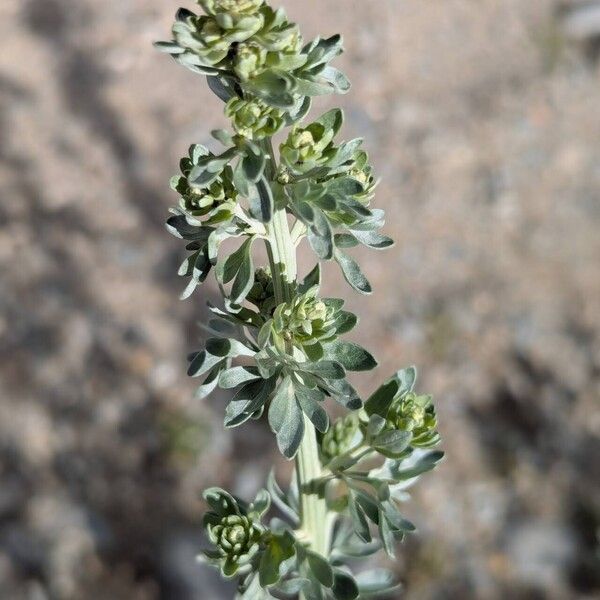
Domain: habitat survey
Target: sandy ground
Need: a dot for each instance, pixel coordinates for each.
(482, 118)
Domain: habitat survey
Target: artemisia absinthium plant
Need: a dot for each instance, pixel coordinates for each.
(275, 342)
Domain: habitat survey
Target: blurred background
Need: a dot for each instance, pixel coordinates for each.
(483, 119)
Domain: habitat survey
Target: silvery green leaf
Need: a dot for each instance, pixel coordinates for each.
(345, 394)
(286, 419)
(386, 536)
(312, 409)
(359, 520)
(320, 235)
(320, 568)
(352, 273)
(327, 369)
(278, 550)
(260, 198)
(292, 587)
(220, 87)
(236, 376)
(392, 443)
(311, 280)
(281, 499)
(350, 355)
(227, 347)
(223, 136)
(337, 79)
(332, 120)
(380, 401)
(345, 322)
(344, 586)
(422, 465)
(406, 380)
(253, 164)
(201, 363)
(169, 47)
(210, 382)
(376, 583)
(372, 239)
(375, 426)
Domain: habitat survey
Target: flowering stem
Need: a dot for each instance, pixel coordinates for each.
(281, 250)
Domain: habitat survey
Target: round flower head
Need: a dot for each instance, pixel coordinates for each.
(249, 61)
(415, 414)
(253, 119)
(306, 320)
(235, 7)
(234, 534)
(307, 147)
(200, 201)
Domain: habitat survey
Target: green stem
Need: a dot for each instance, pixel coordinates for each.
(315, 525)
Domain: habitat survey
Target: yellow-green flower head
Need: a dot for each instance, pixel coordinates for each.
(262, 293)
(307, 147)
(363, 173)
(203, 37)
(234, 534)
(253, 119)
(249, 61)
(306, 319)
(341, 437)
(199, 201)
(415, 414)
(235, 7)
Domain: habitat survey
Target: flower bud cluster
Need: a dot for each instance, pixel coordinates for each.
(305, 320)
(416, 414)
(199, 201)
(235, 534)
(342, 436)
(253, 119)
(262, 293)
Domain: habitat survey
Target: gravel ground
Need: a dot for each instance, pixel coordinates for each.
(481, 117)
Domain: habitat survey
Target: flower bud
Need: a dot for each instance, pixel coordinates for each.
(415, 414)
(253, 119)
(235, 7)
(308, 147)
(341, 437)
(306, 319)
(234, 534)
(199, 201)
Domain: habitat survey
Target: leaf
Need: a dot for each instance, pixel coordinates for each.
(312, 409)
(345, 394)
(392, 443)
(201, 363)
(236, 376)
(227, 347)
(371, 239)
(345, 322)
(386, 535)
(359, 520)
(344, 586)
(286, 419)
(233, 262)
(327, 369)
(320, 568)
(350, 355)
(280, 498)
(279, 549)
(311, 280)
(320, 236)
(239, 267)
(260, 198)
(376, 582)
(424, 464)
(380, 401)
(253, 164)
(261, 504)
(352, 273)
(406, 380)
(332, 120)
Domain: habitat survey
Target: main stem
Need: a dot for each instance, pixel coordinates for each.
(282, 258)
